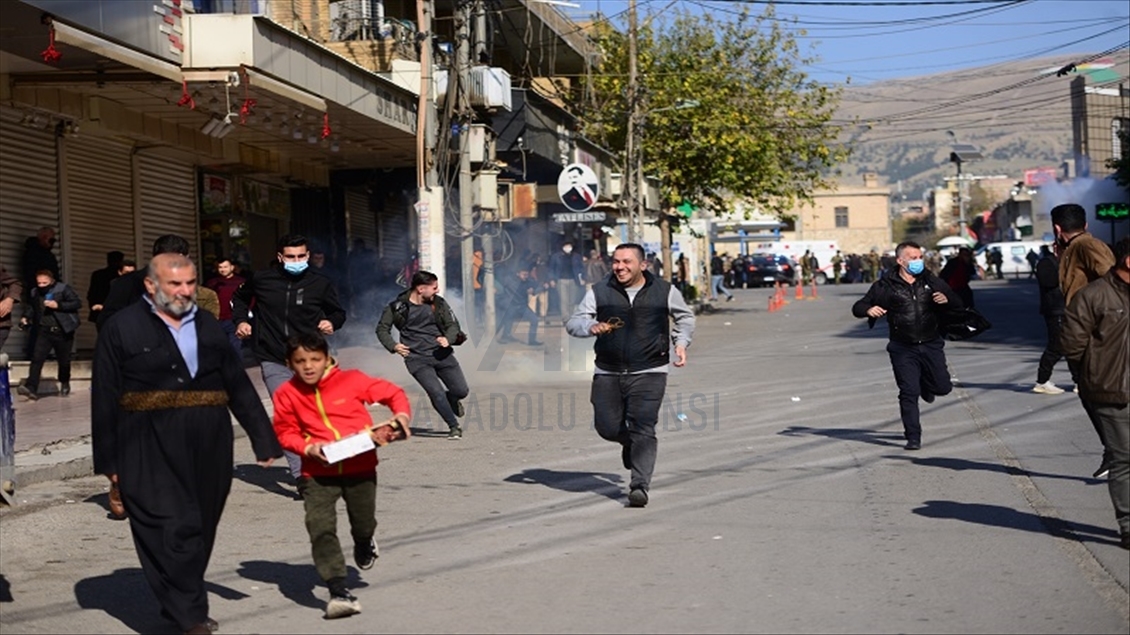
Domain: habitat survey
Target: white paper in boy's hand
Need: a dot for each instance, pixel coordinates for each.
(347, 447)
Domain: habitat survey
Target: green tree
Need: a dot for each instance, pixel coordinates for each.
(761, 131)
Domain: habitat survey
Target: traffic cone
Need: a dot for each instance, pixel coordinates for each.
(772, 303)
(799, 291)
(813, 289)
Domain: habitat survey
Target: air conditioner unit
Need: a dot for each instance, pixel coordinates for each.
(615, 184)
(484, 190)
(356, 20)
(490, 87)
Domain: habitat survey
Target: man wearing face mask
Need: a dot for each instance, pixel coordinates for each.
(289, 299)
(912, 298)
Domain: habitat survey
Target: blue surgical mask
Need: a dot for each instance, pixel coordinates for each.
(916, 267)
(295, 267)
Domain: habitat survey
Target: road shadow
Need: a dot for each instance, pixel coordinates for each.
(118, 594)
(298, 583)
(276, 480)
(998, 516)
(889, 439)
(960, 465)
(603, 483)
(5, 589)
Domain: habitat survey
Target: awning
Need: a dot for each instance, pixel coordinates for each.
(65, 34)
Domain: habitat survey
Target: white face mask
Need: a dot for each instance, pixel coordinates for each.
(567, 249)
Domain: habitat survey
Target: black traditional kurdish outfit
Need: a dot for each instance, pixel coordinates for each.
(168, 437)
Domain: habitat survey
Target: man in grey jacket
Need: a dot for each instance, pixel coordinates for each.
(53, 310)
(1096, 337)
(629, 313)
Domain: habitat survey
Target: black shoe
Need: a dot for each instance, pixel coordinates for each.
(1103, 471)
(64, 389)
(455, 433)
(626, 456)
(366, 554)
(913, 444)
(1125, 541)
(27, 392)
(928, 397)
(457, 407)
(637, 498)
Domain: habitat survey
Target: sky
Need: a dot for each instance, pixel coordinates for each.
(866, 41)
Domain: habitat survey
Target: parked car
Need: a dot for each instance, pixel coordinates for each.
(764, 270)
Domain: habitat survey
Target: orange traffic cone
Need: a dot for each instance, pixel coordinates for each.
(813, 289)
(799, 291)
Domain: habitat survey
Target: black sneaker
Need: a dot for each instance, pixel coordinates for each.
(913, 444)
(457, 406)
(342, 604)
(365, 555)
(455, 433)
(1103, 471)
(64, 389)
(637, 498)
(928, 397)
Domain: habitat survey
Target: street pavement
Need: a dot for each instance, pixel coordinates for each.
(782, 502)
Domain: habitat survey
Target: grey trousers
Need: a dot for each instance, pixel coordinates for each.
(275, 375)
(1114, 420)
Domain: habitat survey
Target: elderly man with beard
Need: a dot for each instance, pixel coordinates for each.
(164, 378)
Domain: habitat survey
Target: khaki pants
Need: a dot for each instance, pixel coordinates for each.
(320, 495)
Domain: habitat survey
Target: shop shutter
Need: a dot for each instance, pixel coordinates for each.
(359, 215)
(168, 203)
(29, 196)
(395, 238)
(98, 199)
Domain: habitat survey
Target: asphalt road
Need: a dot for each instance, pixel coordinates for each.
(783, 502)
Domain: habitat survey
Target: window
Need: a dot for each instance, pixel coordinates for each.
(841, 217)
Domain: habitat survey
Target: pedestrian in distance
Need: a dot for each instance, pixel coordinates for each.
(52, 311)
(837, 266)
(1052, 308)
(1096, 336)
(11, 294)
(225, 283)
(567, 274)
(289, 299)
(164, 378)
(99, 286)
(428, 330)
(958, 271)
(516, 292)
(1082, 260)
(319, 405)
(912, 299)
(38, 256)
(629, 314)
(718, 278)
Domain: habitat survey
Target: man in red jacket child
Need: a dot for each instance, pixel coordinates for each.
(319, 406)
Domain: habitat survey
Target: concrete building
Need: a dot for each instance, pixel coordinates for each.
(857, 217)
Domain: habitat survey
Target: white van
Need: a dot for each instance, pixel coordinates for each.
(822, 249)
(1014, 260)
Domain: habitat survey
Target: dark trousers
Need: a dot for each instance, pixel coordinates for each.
(236, 343)
(519, 312)
(625, 410)
(919, 369)
(1051, 356)
(320, 495)
(1113, 420)
(50, 339)
(443, 380)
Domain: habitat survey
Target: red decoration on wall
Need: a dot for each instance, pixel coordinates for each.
(245, 110)
(185, 97)
(51, 54)
(326, 125)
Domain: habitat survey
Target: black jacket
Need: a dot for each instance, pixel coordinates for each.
(396, 314)
(285, 305)
(124, 291)
(1051, 296)
(65, 317)
(644, 341)
(912, 314)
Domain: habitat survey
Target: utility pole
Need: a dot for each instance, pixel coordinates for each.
(631, 174)
(466, 217)
(481, 53)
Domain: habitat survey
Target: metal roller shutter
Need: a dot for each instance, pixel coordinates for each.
(98, 211)
(29, 196)
(168, 203)
(395, 238)
(360, 219)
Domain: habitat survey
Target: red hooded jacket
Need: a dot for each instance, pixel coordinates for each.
(333, 410)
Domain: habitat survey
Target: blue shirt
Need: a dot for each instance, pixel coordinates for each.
(185, 336)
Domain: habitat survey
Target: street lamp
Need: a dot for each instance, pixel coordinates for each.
(962, 153)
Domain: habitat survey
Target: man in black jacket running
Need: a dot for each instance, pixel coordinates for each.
(912, 299)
